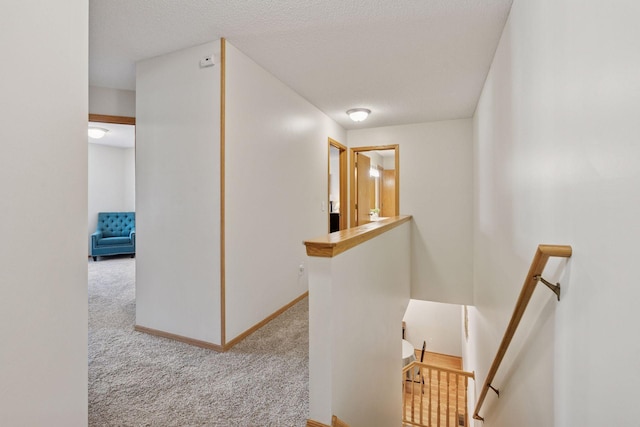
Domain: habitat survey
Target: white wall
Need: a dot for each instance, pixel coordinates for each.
(556, 161)
(436, 188)
(376, 159)
(43, 183)
(111, 181)
(178, 194)
(356, 304)
(389, 163)
(276, 181)
(436, 323)
(129, 177)
(112, 102)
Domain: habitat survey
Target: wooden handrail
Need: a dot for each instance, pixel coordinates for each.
(537, 266)
(418, 364)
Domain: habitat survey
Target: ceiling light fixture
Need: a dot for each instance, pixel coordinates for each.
(358, 114)
(97, 133)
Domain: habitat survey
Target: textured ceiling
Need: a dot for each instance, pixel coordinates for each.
(408, 61)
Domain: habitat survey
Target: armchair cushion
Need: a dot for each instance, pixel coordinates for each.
(105, 241)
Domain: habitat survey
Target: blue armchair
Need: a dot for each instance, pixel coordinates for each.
(115, 234)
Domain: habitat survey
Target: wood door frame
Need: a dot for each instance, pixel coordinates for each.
(343, 182)
(118, 120)
(352, 177)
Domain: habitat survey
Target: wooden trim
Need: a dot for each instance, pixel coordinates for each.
(329, 184)
(343, 189)
(186, 340)
(537, 266)
(352, 188)
(352, 176)
(375, 148)
(343, 180)
(264, 322)
(118, 120)
(337, 144)
(223, 278)
(337, 422)
(397, 174)
(417, 364)
(335, 243)
(218, 347)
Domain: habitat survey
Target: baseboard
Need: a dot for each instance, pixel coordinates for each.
(186, 340)
(218, 347)
(260, 324)
(313, 423)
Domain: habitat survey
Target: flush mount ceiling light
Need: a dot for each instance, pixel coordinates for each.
(358, 114)
(97, 133)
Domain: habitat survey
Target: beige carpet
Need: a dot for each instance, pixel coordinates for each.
(140, 380)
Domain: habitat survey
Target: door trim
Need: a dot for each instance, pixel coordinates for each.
(343, 182)
(118, 120)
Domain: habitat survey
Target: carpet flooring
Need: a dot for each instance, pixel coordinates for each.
(137, 379)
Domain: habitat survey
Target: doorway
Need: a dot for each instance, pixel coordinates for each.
(374, 191)
(337, 195)
(111, 168)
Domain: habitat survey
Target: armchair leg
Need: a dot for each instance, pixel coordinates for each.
(95, 258)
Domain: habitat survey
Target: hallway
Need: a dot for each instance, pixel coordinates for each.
(139, 379)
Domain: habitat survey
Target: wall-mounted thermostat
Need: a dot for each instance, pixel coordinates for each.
(207, 61)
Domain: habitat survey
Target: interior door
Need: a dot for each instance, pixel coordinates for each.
(388, 193)
(363, 195)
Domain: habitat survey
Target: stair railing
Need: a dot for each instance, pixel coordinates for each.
(533, 277)
(434, 396)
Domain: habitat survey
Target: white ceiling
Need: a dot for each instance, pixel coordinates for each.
(122, 136)
(408, 61)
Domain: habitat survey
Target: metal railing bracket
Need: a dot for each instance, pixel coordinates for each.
(554, 288)
(497, 391)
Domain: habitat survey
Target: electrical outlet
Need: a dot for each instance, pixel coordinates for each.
(301, 269)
